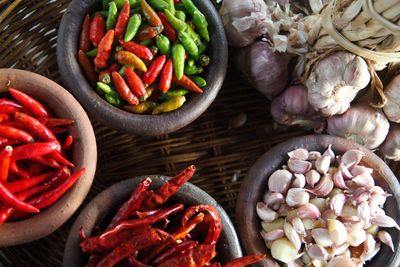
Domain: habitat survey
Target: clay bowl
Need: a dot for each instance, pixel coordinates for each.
(104, 206)
(68, 36)
(255, 184)
(84, 154)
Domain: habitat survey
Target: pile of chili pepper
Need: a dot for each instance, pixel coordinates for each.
(150, 230)
(145, 56)
(34, 168)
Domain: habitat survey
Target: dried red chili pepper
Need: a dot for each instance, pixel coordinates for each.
(197, 256)
(16, 134)
(176, 250)
(53, 122)
(142, 214)
(188, 84)
(166, 77)
(84, 41)
(135, 83)
(35, 127)
(68, 143)
(243, 261)
(169, 31)
(133, 262)
(30, 104)
(4, 117)
(137, 49)
(154, 70)
(34, 150)
(215, 264)
(123, 89)
(21, 185)
(87, 66)
(168, 189)
(150, 14)
(9, 106)
(148, 32)
(11, 201)
(104, 50)
(184, 230)
(97, 29)
(105, 75)
(122, 21)
(5, 157)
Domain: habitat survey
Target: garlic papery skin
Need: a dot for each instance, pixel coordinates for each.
(391, 146)
(297, 197)
(299, 166)
(324, 187)
(361, 124)
(279, 181)
(308, 211)
(383, 220)
(335, 81)
(392, 93)
(265, 213)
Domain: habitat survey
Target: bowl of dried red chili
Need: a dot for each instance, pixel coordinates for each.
(47, 153)
(148, 58)
(157, 221)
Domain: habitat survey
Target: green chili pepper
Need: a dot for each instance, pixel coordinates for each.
(204, 60)
(201, 23)
(92, 53)
(105, 4)
(179, 7)
(107, 89)
(163, 44)
(177, 24)
(189, 6)
(199, 81)
(149, 92)
(202, 48)
(142, 107)
(189, 44)
(171, 7)
(120, 3)
(146, 42)
(134, 3)
(122, 70)
(195, 36)
(133, 27)
(171, 104)
(178, 58)
(113, 100)
(158, 4)
(112, 16)
(176, 92)
(180, 15)
(99, 91)
(193, 70)
(104, 13)
(190, 62)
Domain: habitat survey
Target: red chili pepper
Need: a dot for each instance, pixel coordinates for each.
(7, 142)
(87, 66)
(123, 89)
(149, 32)
(34, 150)
(21, 185)
(9, 106)
(46, 161)
(11, 201)
(168, 189)
(60, 176)
(197, 256)
(5, 157)
(30, 104)
(150, 14)
(14, 168)
(152, 254)
(215, 264)
(104, 50)
(122, 21)
(166, 77)
(154, 70)
(176, 250)
(135, 83)
(243, 261)
(35, 169)
(142, 214)
(35, 126)
(138, 49)
(169, 31)
(4, 117)
(58, 130)
(187, 83)
(53, 122)
(68, 143)
(188, 227)
(57, 156)
(16, 134)
(105, 75)
(15, 124)
(97, 29)
(133, 262)
(84, 41)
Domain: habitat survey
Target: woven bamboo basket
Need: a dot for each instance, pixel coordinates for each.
(223, 155)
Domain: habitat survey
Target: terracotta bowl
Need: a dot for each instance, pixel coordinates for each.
(122, 120)
(255, 184)
(84, 154)
(104, 205)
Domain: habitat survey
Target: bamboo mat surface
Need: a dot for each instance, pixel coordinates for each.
(223, 155)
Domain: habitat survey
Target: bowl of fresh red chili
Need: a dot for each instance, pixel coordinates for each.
(47, 156)
(146, 67)
(154, 221)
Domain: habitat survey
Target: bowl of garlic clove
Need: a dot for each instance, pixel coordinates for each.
(320, 201)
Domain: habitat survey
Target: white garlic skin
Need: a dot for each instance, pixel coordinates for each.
(335, 82)
(391, 147)
(392, 93)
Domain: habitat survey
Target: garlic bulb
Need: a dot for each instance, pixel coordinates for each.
(391, 146)
(335, 81)
(361, 124)
(392, 93)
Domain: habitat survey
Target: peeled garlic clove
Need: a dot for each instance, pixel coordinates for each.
(300, 154)
(313, 155)
(360, 195)
(336, 203)
(338, 180)
(292, 235)
(349, 213)
(338, 250)
(383, 220)
(308, 224)
(312, 177)
(317, 252)
(279, 181)
(273, 198)
(323, 163)
(273, 235)
(365, 180)
(283, 250)
(320, 203)
(265, 213)
(364, 212)
(308, 211)
(329, 215)
(386, 239)
(352, 157)
(299, 166)
(345, 171)
(357, 170)
(299, 180)
(274, 225)
(329, 152)
(324, 187)
(297, 197)
(356, 234)
(322, 237)
(337, 232)
(298, 226)
(341, 261)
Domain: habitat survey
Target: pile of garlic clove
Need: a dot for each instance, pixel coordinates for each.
(324, 210)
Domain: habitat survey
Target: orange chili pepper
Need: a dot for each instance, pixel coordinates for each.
(150, 14)
(149, 32)
(128, 58)
(187, 83)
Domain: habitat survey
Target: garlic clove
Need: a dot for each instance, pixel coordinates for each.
(364, 212)
(320, 223)
(349, 213)
(324, 187)
(299, 166)
(376, 202)
(299, 180)
(334, 192)
(356, 234)
(341, 261)
(320, 203)
(312, 177)
(357, 170)
(322, 237)
(308, 211)
(283, 250)
(273, 235)
(300, 154)
(313, 155)
(308, 224)
(284, 209)
(365, 180)
(329, 215)
(323, 163)
(340, 249)
(352, 157)
(298, 226)
(273, 198)
(279, 181)
(377, 190)
(360, 194)
(345, 171)
(265, 213)
(337, 232)
(318, 263)
(317, 252)
(373, 230)
(371, 248)
(336, 203)
(329, 152)
(386, 239)
(292, 235)
(296, 263)
(274, 225)
(383, 220)
(338, 180)
(297, 197)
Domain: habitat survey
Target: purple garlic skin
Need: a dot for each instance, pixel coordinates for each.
(391, 146)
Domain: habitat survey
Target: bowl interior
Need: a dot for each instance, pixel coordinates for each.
(104, 205)
(84, 154)
(128, 122)
(255, 185)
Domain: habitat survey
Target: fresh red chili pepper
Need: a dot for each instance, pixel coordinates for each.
(30, 104)
(58, 130)
(4, 117)
(16, 134)
(84, 41)
(35, 126)
(57, 156)
(9, 106)
(123, 89)
(196, 256)
(188, 84)
(166, 77)
(33, 150)
(169, 31)
(188, 227)
(148, 32)
(87, 66)
(10, 200)
(122, 21)
(154, 70)
(53, 122)
(97, 29)
(243, 261)
(7, 142)
(35, 169)
(176, 250)
(21, 185)
(133, 262)
(138, 49)
(46, 161)
(14, 168)
(5, 157)
(168, 189)
(68, 143)
(104, 51)
(15, 124)
(60, 176)
(150, 14)
(107, 72)
(135, 83)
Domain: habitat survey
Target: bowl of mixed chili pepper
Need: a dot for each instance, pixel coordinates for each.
(146, 67)
(47, 156)
(154, 221)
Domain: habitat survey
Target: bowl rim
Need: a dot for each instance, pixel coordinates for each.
(53, 217)
(264, 166)
(119, 119)
(100, 205)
